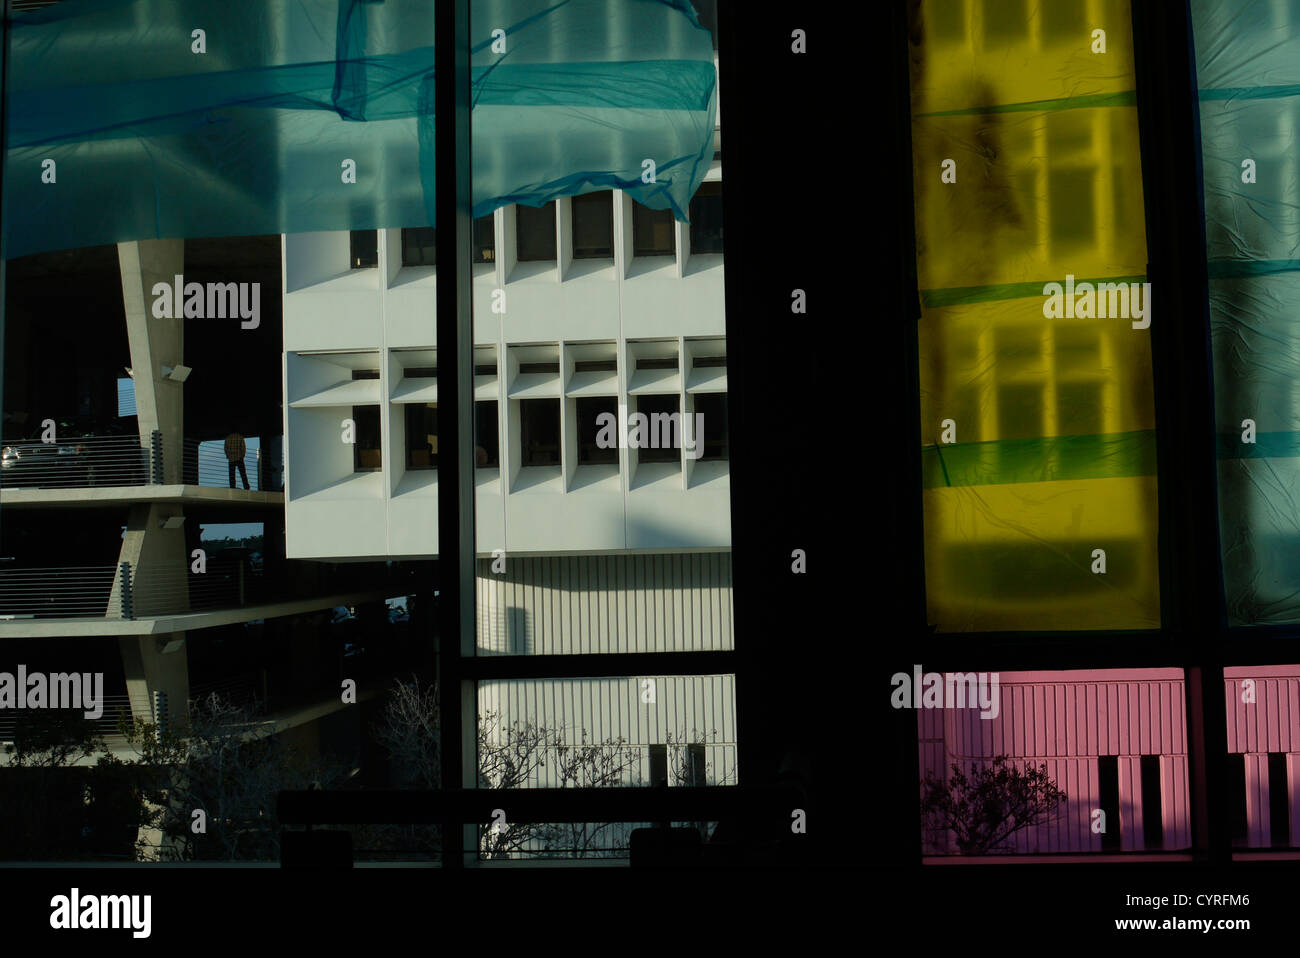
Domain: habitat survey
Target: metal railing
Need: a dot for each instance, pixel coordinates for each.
(167, 588)
(204, 463)
(67, 592)
(116, 713)
(82, 463)
(101, 461)
(125, 591)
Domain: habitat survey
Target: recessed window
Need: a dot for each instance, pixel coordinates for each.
(487, 447)
(590, 428)
(652, 232)
(706, 219)
(696, 768)
(595, 366)
(485, 369)
(1279, 802)
(658, 765)
(539, 432)
(1237, 798)
(707, 11)
(422, 435)
(419, 246)
(1153, 826)
(365, 249)
(593, 225)
(1108, 799)
(526, 369)
(660, 438)
(710, 362)
(366, 452)
(485, 248)
(420, 372)
(713, 407)
(535, 233)
(669, 363)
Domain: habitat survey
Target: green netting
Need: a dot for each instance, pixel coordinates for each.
(1248, 72)
(154, 130)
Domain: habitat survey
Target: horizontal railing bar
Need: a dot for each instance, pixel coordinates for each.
(598, 665)
(534, 805)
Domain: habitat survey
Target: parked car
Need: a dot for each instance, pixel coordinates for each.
(85, 452)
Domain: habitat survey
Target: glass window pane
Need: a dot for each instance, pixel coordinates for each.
(419, 246)
(1051, 762)
(1263, 756)
(536, 232)
(1037, 409)
(593, 225)
(652, 232)
(365, 249)
(706, 219)
(600, 733)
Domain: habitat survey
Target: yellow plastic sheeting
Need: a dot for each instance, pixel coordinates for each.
(1001, 370)
(1011, 52)
(1046, 186)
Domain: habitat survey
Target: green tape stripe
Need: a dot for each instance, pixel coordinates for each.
(1087, 101)
(1238, 268)
(1042, 459)
(961, 295)
(1267, 445)
(1251, 92)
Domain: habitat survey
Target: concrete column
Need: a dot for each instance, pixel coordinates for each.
(149, 668)
(159, 562)
(160, 567)
(155, 343)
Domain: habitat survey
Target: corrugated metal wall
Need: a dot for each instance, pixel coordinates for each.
(605, 603)
(1066, 723)
(1263, 706)
(690, 709)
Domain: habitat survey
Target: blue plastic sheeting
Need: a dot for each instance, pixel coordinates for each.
(1248, 71)
(150, 138)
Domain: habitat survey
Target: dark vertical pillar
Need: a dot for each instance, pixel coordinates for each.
(899, 388)
(456, 407)
(1191, 598)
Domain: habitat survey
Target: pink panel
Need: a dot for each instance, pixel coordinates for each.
(1276, 692)
(1064, 720)
(1130, 804)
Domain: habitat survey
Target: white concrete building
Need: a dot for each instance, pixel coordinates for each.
(559, 337)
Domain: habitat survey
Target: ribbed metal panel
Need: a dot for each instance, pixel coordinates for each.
(1067, 724)
(1269, 723)
(605, 603)
(690, 709)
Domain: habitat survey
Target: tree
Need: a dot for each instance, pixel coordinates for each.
(228, 764)
(59, 805)
(517, 755)
(988, 806)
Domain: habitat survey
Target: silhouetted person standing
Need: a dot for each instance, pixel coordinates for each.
(235, 453)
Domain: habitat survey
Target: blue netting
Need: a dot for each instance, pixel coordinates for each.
(151, 139)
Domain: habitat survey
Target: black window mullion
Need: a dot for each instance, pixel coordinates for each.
(1191, 578)
(454, 227)
(599, 665)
